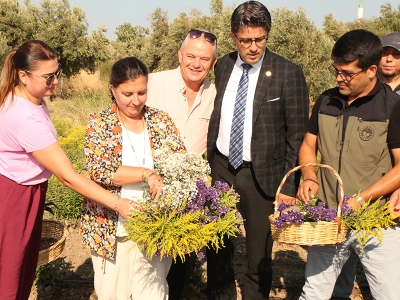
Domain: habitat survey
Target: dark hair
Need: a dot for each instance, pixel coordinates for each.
(125, 69)
(26, 57)
(360, 45)
(252, 14)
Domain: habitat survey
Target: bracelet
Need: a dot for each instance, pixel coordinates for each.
(151, 174)
(144, 174)
(309, 179)
(116, 203)
(358, 198)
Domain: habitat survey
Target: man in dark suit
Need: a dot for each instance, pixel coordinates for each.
(256, 128)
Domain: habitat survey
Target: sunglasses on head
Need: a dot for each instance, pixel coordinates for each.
(196, 33)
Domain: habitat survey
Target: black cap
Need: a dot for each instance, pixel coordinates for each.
(392, 40)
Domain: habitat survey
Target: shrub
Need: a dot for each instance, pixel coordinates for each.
(71, 140)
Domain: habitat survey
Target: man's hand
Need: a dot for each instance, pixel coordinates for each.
(282, 198)
(394, 202)
(353, 203)
(307, 190)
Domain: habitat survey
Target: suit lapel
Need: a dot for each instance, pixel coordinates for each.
(264, 78)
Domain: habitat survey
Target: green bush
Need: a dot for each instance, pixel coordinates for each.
(71, 139)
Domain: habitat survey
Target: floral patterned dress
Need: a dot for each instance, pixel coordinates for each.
(103, 156)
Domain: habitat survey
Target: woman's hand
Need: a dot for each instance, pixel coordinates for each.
(156, 184)
(123, 206)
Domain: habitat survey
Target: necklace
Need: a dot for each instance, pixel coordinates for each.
(130, 142)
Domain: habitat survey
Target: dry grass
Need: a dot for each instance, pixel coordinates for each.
(81, 95)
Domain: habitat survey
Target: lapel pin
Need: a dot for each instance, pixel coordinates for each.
(268, 73)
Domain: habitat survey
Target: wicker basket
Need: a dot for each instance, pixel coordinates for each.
(310, 233)
(53, 238)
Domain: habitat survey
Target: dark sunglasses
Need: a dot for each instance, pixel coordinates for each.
(48, 79)
(196, 33)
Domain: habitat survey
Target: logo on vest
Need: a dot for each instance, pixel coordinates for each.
(366, 133)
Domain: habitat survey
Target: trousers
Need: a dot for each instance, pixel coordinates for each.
(131, 275)
(21, 215)
(381, 263)
(255, 206)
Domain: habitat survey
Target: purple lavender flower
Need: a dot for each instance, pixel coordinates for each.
(346, 209)
(283, 206)
(208, 199)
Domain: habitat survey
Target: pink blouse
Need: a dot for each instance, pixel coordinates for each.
(24, 128)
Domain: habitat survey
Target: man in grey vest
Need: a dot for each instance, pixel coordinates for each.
(389, 73)
(355, 127)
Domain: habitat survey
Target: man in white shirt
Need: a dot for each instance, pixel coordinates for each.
(188, 97)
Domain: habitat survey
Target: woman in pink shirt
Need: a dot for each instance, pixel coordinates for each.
(29, 155)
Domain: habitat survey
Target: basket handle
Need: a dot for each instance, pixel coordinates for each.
(51, 203)
(341, 194)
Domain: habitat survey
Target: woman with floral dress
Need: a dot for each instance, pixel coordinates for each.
(118, 150)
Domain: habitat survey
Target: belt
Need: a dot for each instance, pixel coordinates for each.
(245, 164)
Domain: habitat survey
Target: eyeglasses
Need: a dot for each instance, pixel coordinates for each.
(48, 79)
(246, 43)
(196, 33)
(344, 75)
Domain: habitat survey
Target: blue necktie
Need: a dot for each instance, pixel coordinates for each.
(236, 140)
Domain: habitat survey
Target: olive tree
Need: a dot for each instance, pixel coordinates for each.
(296, 37)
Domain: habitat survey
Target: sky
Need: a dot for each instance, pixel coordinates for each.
(116, 12)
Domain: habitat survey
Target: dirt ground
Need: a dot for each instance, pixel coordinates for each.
(70, 277)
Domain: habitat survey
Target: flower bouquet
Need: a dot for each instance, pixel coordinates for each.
(308, 225)
(314, 224)
(190, 214)
(368, 221)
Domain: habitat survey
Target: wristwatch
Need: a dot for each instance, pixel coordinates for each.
(358, 198)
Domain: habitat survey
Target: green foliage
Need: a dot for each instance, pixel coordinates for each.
(13, 23)
(71, 139)
(390, 20)
(63, 28)
(311, 53)
(73, 146)
(130, 41)
(4, 48)
(51, 272)
(167, 231)
(177, 31)
(333, 28)
(369, 221)
(62, 126)
(151, 53)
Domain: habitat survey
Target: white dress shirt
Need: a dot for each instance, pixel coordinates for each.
(228, 106)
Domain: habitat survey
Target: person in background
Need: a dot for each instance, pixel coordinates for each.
(256, 129)
(355, 128)
(118, 151)
(389, 66)
(188, 97)
(29, 155)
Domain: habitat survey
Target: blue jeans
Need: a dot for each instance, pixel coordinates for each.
(381, 263)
